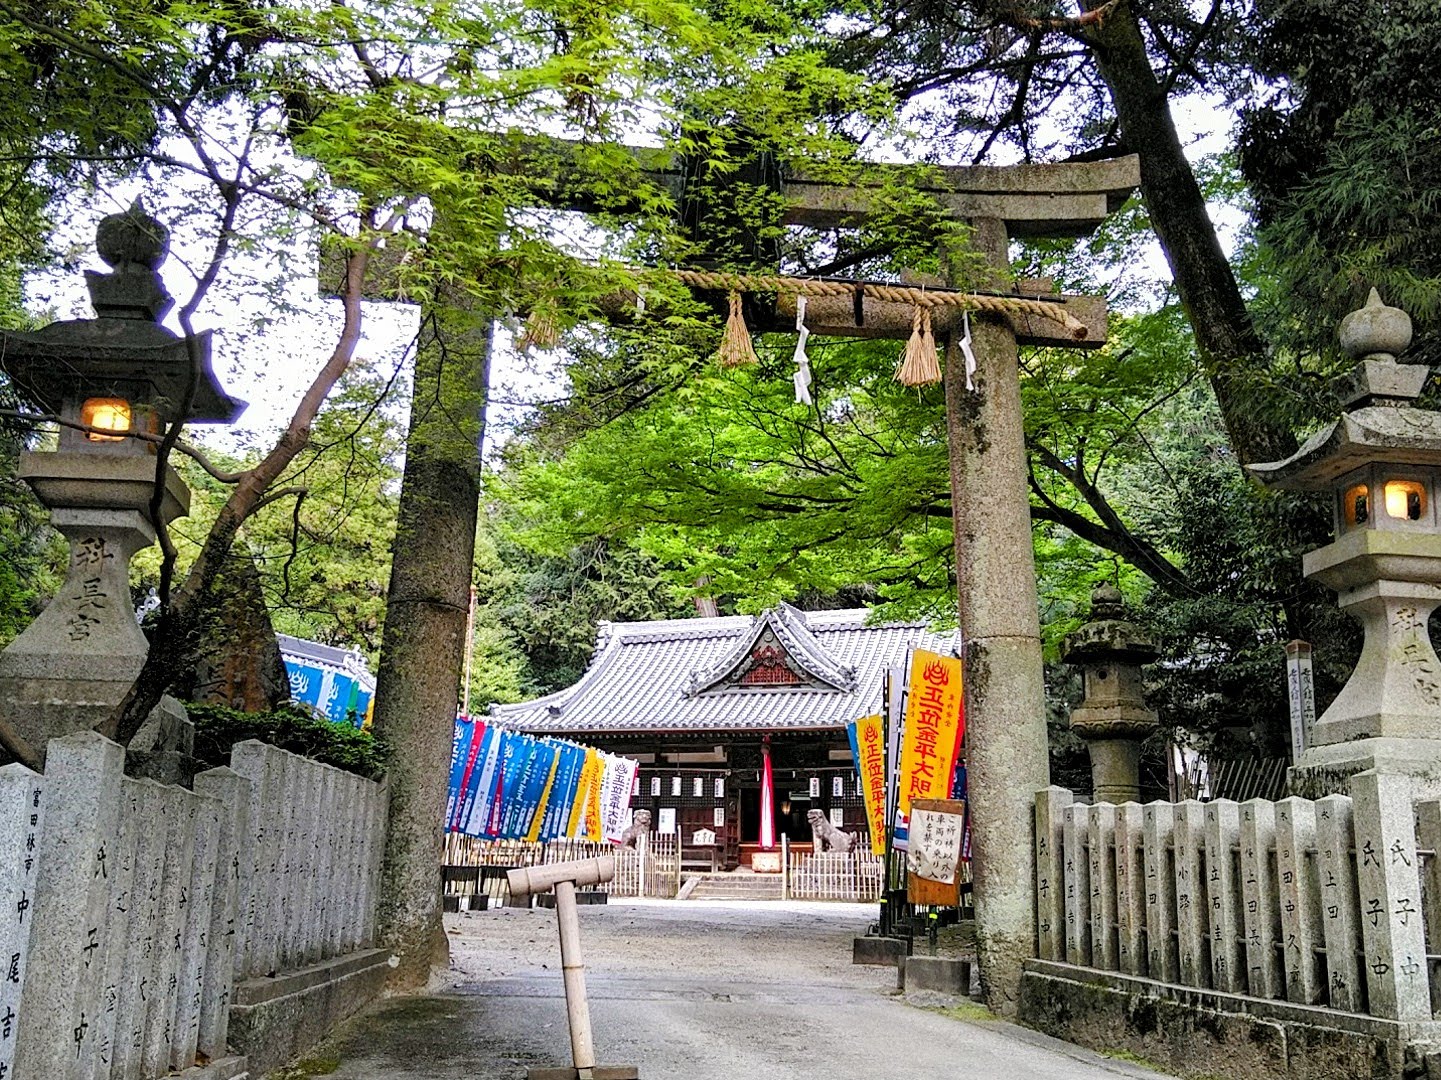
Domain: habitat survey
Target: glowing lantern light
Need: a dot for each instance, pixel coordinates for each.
(105, 414)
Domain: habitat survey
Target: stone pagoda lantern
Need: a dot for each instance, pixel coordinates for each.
(1112, 716)
(1380, 463)
(107, 379)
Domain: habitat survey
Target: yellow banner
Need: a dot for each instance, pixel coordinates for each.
(576, 826)
(593, 821)
(871, 767)
(935, 722)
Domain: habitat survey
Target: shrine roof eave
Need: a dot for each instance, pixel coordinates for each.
(642, 729)
(1376, 434)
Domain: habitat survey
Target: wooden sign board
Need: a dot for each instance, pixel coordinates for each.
(937, 832)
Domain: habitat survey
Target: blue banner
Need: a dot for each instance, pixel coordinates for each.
(526, 803)
(339, 698)
(516, 751)
(473, 792)
(562, 792)
(459, 755)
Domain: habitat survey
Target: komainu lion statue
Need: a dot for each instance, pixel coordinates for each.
(824, 834)
(638, 827)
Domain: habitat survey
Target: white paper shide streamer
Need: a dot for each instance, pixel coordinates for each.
(802, 376)
(966, 349)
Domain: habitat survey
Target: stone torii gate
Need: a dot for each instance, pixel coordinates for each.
(1007, 751)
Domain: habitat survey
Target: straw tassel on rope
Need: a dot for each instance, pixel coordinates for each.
(735, 347)
(919, 365)
(542, 327)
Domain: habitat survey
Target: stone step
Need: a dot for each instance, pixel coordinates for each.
(735, 887)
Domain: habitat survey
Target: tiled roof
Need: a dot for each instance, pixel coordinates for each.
(345, 661)
(663, 675)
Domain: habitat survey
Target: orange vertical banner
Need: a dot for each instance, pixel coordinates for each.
(935, 723)
(868, 742)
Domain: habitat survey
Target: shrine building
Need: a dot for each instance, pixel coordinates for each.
(699, 703)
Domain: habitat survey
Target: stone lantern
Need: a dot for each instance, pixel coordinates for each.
(1112, 716)
(1380, 463)
(114, 376)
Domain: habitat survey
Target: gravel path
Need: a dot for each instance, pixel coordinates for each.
(697, 990)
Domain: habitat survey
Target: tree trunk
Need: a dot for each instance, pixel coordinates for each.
(1231, 348)
(423, 645)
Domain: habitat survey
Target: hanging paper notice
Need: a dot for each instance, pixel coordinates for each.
(868, 749)
(934, 859)
(935, 844)
(935, 722)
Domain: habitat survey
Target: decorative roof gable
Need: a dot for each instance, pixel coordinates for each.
(638, 678)
(778, 653)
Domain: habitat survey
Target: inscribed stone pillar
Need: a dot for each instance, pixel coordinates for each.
(1007, 756)
(1223, 836)
(1393, 934)
(233, 858)
(1130, 890)
(21, 817)
(1051, 805)
(58, 1036)
(1339, 915)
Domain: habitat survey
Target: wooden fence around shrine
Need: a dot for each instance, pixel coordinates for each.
(1334, 901)
(132, 913)
(857, 876)
(650, 870)
(476, 867)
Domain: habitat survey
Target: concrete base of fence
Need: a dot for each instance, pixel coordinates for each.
(230, 1068)
(582, 896)
(879, 951)
(273, 1021)
(1195, 1032)
(939, 973)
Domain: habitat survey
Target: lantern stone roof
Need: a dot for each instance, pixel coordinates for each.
(1380, 424)
(1378, 433)
(124, 351)
(783, 670)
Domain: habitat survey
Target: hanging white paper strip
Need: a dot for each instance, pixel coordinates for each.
(803, 363)
(966, 349)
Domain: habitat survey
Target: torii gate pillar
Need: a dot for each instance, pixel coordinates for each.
(1007, 754)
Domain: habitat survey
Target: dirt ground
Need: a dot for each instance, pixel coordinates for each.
(705, 938)
(690, 990)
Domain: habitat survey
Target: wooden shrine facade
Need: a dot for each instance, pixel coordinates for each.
(696, 701)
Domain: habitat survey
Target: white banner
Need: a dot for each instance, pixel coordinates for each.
(615, 789)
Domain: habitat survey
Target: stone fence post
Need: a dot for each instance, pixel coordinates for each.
(21, 823)
(1392, 931)
(58, 1025)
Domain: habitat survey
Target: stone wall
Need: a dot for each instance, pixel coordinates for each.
(1181, 930)
(131, 913)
